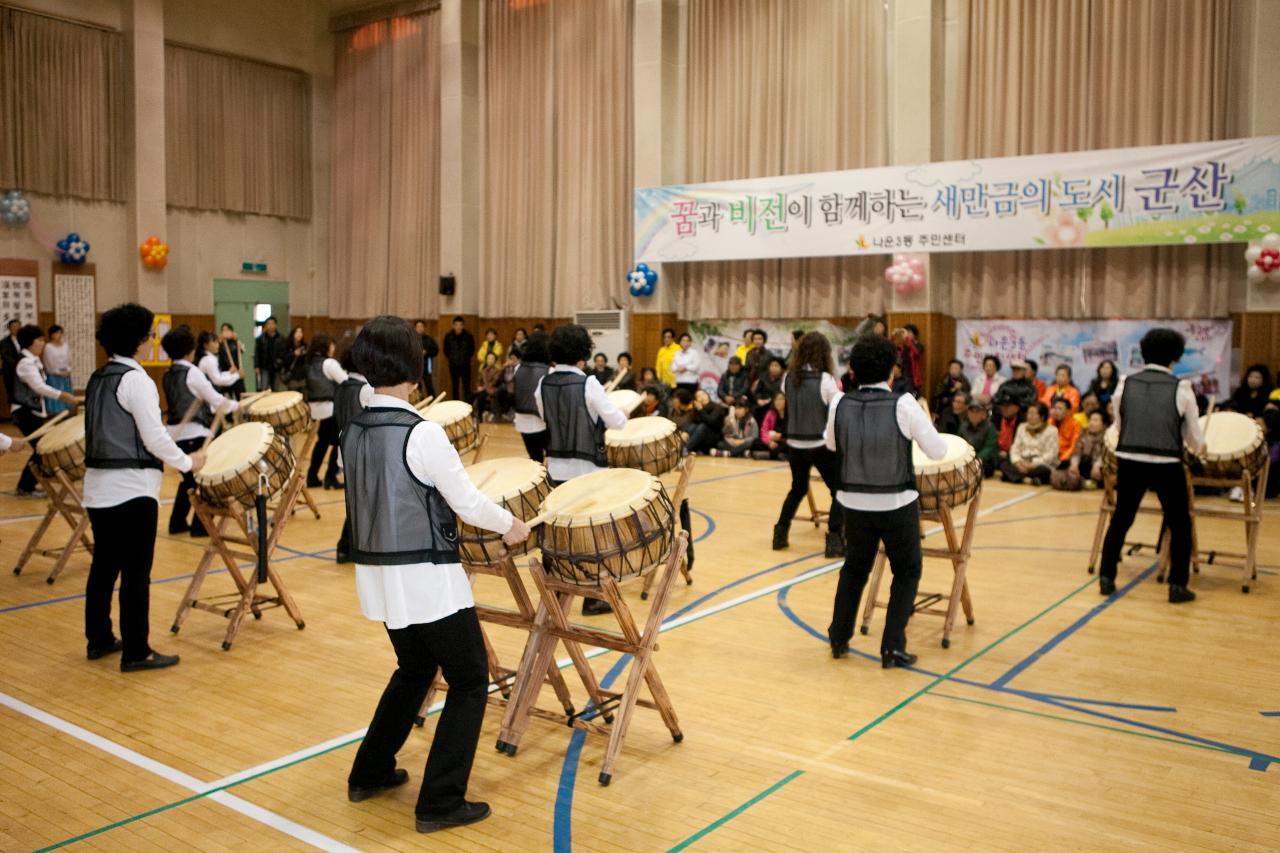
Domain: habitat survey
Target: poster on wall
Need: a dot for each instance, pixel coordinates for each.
(1084, 344)
(18, 299)
(160, 326)
(73, 306)
(716, 340)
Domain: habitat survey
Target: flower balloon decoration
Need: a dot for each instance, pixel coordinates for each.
(642, 280)
(154, 253)
(906, 273)
(15, 210)
(73, 249)
(1264, 258)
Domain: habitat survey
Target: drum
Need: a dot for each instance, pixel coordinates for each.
(650, 444)
(609, 524)
(950, 481)
(1110, 440)
(627, 401)
(458, 422)
(1233, 446)
(286, 411)
(62, 448)
(517, 484)
(230, 471)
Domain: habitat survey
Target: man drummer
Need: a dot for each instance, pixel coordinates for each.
(405, 483)
(126, 447)
(184, 384)
(871, 431)
(534, 358)
(349, 400)
(29, 393)
(576, 411)
(1156, 415)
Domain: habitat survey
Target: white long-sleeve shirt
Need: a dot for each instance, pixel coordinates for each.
(57, 359)
(322, 409)
(137, 395)
(31, 371)
(199, 385)
(209, 367)
(915, 425)
(684, 366)
(527, 424)
(1187, 409)
(598, 406)
(428, 592)
(829, 391)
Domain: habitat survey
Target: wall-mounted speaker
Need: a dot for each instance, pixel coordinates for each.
(448, 285)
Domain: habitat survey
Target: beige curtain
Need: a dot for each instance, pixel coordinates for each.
(1070, 75)
(558, 131)
(237, 134)
(384, 248)
(780, 87)
(62, 107)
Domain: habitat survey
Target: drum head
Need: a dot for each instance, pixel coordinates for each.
(627, 401)
(959, 452)
(499, 479)
(594, 498)
(1229, 435)
(275, 402)
(447, 412)
(235, 450)
(63, 434)
(640, 431)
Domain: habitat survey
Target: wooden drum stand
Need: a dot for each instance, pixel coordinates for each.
(1108, 509)
(64, 499)
(1254, 487)
(299, 472)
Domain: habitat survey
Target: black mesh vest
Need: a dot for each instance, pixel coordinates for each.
(111, 436)
(527, 376)
(396, 519)
(875, 457)
(24, 394)
(571, 431)
(1149, 419)
(346, 401)
(320, 388)
(178, 396)
(806, 413)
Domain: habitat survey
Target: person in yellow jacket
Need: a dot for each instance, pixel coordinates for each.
(745, 346)
(489, 345)
(668, 352)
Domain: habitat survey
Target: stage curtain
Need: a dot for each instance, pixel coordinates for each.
(62, 107)
(1073, 75)
(237, 134)
(779, 87)
(558, 143)
(384, 248)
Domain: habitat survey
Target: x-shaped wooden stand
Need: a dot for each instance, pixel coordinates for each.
(64, 499)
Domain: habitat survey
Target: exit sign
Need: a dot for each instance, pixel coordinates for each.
(252, 266)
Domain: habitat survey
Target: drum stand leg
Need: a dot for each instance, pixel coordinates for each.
(64, 501)
(1254, 487)
(300, 471)
(678, 498)
(873, 590)
(817, 516)
(1105, 511)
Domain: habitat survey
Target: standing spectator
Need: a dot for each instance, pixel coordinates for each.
(1068, 430)
(745, 346)
(908, 361)
(10, 355)
(1252, 396)
(772, 443)
(739, 433)
(490, 346)
(231, 358)
(684, 365)
(626, 377)
(948, 385)
(734, 384)
(293, 364)
(517, 342)
(459, 348)
(981, 435)
(507, 389)
(990, 381)
(1034, 454)
(950, 419)
(668, 352)
(487, 388)
(1062, 387)
(268, 350)
(767, 387)
(1104, 383)
(758, 359)
(430, 349)
(57, 364)
(1007, 428)
(600, 369)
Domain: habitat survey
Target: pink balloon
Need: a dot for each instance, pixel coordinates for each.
(899, 259)
(917, 280)
(890, 274)
(916, 264)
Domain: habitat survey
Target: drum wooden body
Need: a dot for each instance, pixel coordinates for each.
(626, 400)
(285, 411)
(230, 471)
(648, 444)
(1234, 445)
(617, 524)
(950, 481)
(62, 448)
(517, 484)
(458, 422)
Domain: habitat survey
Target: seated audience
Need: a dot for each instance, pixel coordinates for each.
(487, 384)
(1089, 404)
(848, 381)
(600, 368)
(953, 382)
(1090, 449)
(1062, 387)
(707, 425)
(978, 430)
(1034, 454)
(626, 377)
(652, 401)
(740, 432)
(772, 443)
(1068, 430)
(734, 384)
(1019, 388)
(1105, 381)
(949, 419)
(1006, 428)
(1033, 373)
(768, 386)
(1252, 396)
(990, 381)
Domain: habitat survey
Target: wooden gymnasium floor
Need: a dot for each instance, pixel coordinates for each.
(1059, 720)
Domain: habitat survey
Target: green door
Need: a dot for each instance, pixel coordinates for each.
(239, 302)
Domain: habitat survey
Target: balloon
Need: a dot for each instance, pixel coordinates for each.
(1263, 259)
(154, 253)
(15, 210)
(650, 278)
(72, 249)
(642, 267)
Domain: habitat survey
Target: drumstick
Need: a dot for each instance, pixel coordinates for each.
(249, 398)
(422, 404)
(613, 383)
(542, 517)
(190, 413)
(48, 425)
(484, 481)
(213, 430)
(1208, 419)
(439, 398)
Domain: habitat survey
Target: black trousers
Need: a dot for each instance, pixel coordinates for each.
(535, 444)
(28, 422)
(1039, 473)
(459, 380)
(899, 529)
(802, 461)
(456, 646)
(182, 500)
(326, 441)
(124, 540)
(1168, 480)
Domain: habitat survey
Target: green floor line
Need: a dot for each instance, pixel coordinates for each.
(739, 810)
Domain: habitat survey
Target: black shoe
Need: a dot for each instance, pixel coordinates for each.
(835, 544)
(839, 650)
(357, 794)
(1106, 586)
(313, 482)
(93, 653)
(465, 814)
(1180, 594)
(175, 529)
(155, 660)
(333, 483)
(888, 660)
(595, 607)
(779, 537)
(342, 558)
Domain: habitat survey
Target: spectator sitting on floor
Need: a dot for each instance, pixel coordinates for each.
(772, 443)
(649, 379)
(1033, 374)
(740, 432)
(734, 384)
(978, 430)
(1034, 454)
(1006, 428)
(1252, 396)
(1088, 405)
(1062, 387)
(652, 402)
(953, 382)
(626, 377)
(708, 423)
(1019, 388)
(680, 410)
(990, 381)
(1090, 449)
(600, 369)
(766, 388)
(949, 419)
(1068, 429)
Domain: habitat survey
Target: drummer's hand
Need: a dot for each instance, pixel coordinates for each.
(69, 399)
(17, 444)
(518, 533)
(197, 461)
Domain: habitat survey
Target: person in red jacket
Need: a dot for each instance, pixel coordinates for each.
(1007, 427)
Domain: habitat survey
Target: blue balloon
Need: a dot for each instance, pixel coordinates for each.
(650, 279)
(642, 267)
(637, 290)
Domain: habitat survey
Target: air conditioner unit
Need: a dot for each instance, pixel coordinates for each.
(610, 331)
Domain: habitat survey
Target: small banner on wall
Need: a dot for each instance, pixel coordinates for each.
(1084, 344)
(1198, 193)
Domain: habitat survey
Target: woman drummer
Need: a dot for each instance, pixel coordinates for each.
(184, 384)
(208, 346)
(324, 375)
(535, 356)
(126, 449)
(405, 483)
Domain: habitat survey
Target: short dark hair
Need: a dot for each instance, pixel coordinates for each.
(955, 361)
(178, 342)
(994, 358)
(1040, 407)
(797, 334)
(1065, 367)
(570, 344)
(733, 359)
(762, 333)
(205, 338)
(684, 335)
(55, 328)
(539, 327)
(748, 331)
(388, 352)
(491, 329)
(28, 334)
(600, 355)
(622, 355)
(537, 348)
(1162, 346)
(1033, 365)
(669, 331)
(124, 328)
(13, 320)
(458, 319)
(320, 346)
(683, 396)
(269, 319)
(1059, 398)
(912, 328)
(228, 327)
(872, 358)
